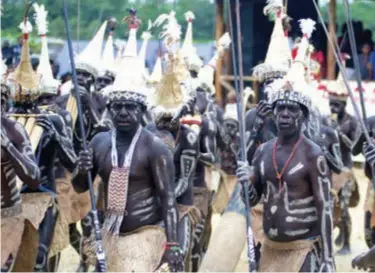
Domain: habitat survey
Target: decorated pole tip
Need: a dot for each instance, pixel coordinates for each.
(132, 19)
(112, 23)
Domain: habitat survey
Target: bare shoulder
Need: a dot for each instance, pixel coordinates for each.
(311, 149)
(101, 139)
(154, 145)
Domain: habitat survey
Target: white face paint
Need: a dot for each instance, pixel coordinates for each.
(296, 168)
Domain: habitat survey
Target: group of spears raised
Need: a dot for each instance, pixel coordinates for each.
(143, 161)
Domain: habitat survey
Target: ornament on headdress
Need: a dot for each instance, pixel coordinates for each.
(171, 33)
(129, 83)
(206, 74)
(25, 78)
(90, 59)
(108, 57)
(48, 84)
(278, 58)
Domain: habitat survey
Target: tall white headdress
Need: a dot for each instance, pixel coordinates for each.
(206, 74)
(278, 58)
(91, 57)
(48, 84)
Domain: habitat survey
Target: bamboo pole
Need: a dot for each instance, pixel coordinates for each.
(219, 65)
(331, 68)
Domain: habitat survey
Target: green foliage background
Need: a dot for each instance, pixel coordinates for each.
(94, 12)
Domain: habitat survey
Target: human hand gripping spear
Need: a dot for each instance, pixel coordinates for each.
(98, 236)
(336, 53)
(240, 116)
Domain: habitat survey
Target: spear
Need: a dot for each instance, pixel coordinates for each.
(98, 236)
(239, 88)
(336, 52)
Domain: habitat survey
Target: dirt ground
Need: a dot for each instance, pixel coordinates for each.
(69, 260)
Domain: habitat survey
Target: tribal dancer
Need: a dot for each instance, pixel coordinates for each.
(17, 159)
(260, 122)
(366, 260)
(88, 67)
(137, 170)
(297, 212)
(53, 143)
(346, 127)
(107, 73)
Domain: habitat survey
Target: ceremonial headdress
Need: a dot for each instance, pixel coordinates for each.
(157, 72)
(337, 89)
(108, 57)
(188, 50)
(129, 84)
(48, 84)
(206, 74)
(169, 95)
(25, 79)
(90, 58)
(278, 58)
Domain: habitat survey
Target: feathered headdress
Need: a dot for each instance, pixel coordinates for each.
(90, 58)
(206, 74)
(108, 57)
(278, 58)
(47, 82)
(24, 74)
(171, 33)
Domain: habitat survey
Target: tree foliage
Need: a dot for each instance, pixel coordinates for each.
(93, 12)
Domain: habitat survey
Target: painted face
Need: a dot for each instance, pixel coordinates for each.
(231, 126)
(85, 79)
(102, 82)
(126, 115)
(289, 117)
(337, 106)
(46, 99)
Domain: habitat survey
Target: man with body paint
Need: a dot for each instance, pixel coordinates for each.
(297, 214)
(17, 159)
(366, 260)
(137, 171)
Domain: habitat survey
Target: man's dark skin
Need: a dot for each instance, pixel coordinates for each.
(366, 260)
(358, 149)
(185, 154)
(93, 105)
(104, 80)
(17, 159)
(306, 177)
(54, 143)
(347, 129)
(151, 199)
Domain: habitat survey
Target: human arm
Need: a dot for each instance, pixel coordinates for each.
(319, 175)
(331, 150)
(208, 141)
(21, 155)
(162, 168)
(188, 162)
(55, 128)
(85, 163)
(251, 175)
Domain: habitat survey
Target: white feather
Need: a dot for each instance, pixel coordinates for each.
(307, 26)
(224, 43)
(189, 15)
(146, 35)
(40, 17)
(272, 6)
(171, 30)
(26, 28)
(149, 25)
